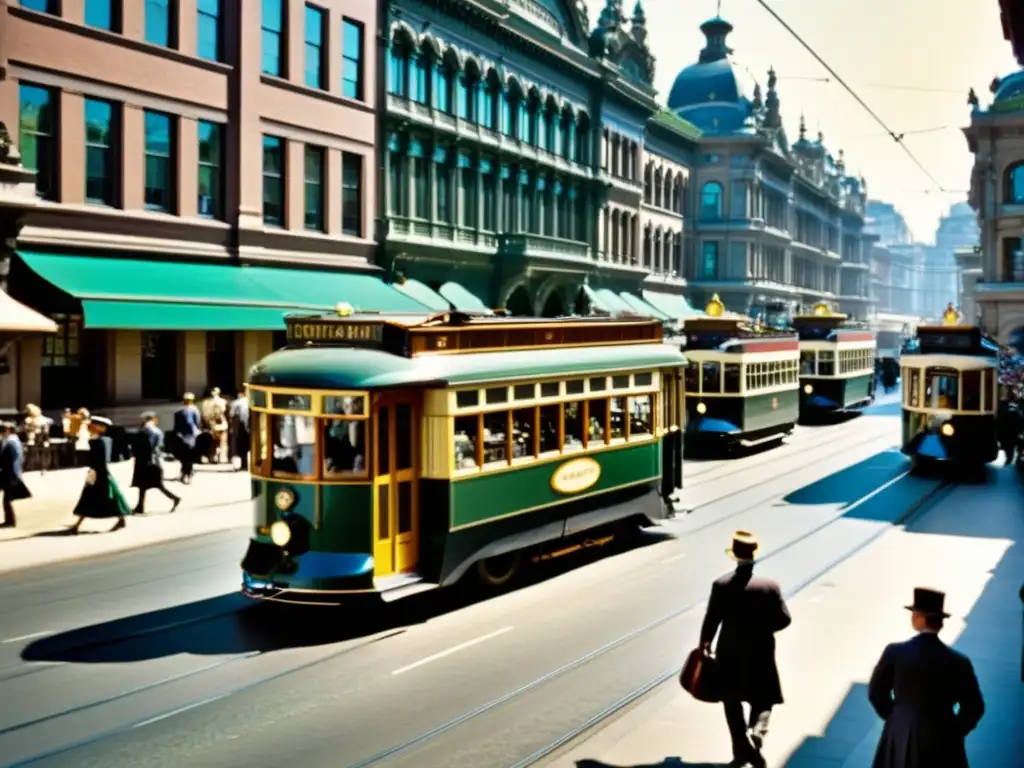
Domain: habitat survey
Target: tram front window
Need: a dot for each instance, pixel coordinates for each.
(940, 390)
(807, 363)
(971, 391)
(731, 378)
(294, 446)
(691, 383)
(711, 375)
(827, 363)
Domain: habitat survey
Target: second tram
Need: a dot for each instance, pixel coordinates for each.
(950, 378)
(741, 385)
(837, 363)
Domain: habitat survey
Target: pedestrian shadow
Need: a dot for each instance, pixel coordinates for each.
(668, 762)
(992, 638)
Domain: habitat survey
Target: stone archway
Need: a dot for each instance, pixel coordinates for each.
(554, 305)
(518, 303)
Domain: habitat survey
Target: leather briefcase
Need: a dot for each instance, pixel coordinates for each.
(700, 677)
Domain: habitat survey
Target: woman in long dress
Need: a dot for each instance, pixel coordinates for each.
(101, 497)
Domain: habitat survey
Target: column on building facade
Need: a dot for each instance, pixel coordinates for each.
(480, 199)
(124, 366)
(432, 191)
(192, 361)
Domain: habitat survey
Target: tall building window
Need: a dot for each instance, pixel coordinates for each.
(210, 202)
(273, 181)
(419, 67)
(159, 193)
(419, 179)
(467, 190)
(43, 6)
(352, 194)
(208, 37)
(37, 136)
(490, 195)
(398, 191)
(314, 46)
(100, 140)
(103, 14)
(273, 50)
(709, 260)
(398, 70)
(160, 24)
(352, 60)
(313, 184)
(711, 201)
(443, 187)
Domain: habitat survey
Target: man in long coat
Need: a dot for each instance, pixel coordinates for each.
(187, 426)
(148, 471)
(915, 687)
(749, 610)
(12, 457)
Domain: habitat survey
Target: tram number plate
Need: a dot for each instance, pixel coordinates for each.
(261, 558)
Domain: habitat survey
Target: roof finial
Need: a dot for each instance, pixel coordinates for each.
(841, 164)
(757, 103)
(638, 27)
(803, 127)
(718, 8)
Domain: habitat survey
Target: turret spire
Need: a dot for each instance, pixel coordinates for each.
(772, 118)
(715, 30)
(639, 24)
(803, 127)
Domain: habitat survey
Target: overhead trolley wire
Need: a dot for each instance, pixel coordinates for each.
(898, 138)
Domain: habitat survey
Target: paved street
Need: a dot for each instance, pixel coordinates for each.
(150, 657)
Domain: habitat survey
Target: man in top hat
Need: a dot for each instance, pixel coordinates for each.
(915, 687)
(149, 469)
(746, 612)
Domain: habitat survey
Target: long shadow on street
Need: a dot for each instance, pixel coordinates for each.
(231, 624)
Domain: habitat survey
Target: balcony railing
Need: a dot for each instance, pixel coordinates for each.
(522, 244)
(449, 234)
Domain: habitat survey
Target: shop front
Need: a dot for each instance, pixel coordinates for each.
(133, 331)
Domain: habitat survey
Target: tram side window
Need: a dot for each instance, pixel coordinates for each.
(691, 381)
(496, 438)
(550, 421)
(618, 418)
(971, 390)
(731, 378)
(807, 362)
(640, 407)
(987, 403)
(294, 446)
(574, 426)
(344, 443)
(826, 363)
(260, 442)
(466, 439)
(941, 390)
(597, 418)
(711, 378)
(523, 432)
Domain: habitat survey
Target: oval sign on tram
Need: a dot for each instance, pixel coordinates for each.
(576, 476)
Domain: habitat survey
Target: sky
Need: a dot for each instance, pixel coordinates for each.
(911, 61)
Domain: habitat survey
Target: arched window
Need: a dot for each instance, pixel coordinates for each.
(711, 201)
(647, 246)
(465, 93)
(647, 183)
(1013, 186)
(582, 149)
(398, 68)
(656, 194)
(444, 80)
(487, 111)
(419, 78)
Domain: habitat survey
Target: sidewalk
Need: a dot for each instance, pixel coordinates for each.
(972, 548)
(217, 499)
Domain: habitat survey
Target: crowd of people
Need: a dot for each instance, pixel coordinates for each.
(214, 431)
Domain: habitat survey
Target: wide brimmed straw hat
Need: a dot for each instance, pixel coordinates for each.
(744, 547)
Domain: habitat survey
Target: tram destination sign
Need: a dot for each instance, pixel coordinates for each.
(317, 331)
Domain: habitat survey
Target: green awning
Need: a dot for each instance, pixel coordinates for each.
(641, 307)
(181, 317)
(162, 295)
(460, 298)
(608, 301)
(424, 294)
(673, 305)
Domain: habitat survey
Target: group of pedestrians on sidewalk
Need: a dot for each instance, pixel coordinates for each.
(926, 692)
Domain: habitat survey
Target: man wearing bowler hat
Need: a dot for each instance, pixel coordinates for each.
(746, 612)
(915, 688)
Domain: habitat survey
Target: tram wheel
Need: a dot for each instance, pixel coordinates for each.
(499, 570)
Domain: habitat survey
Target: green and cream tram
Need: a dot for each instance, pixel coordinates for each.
(950, 378)
(741, 385)
(393, 454)
(837, 363)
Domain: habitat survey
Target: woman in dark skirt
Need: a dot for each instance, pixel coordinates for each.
(101, 497)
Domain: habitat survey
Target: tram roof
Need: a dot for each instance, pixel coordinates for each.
(951, 340)
(454, 333)
(347, 368)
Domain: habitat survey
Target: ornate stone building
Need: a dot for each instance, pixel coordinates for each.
(777, 226)
(520, 179)
(996, 137)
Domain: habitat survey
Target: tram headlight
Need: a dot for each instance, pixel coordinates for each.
(280, 533)
(701, 408)
(947, 429)
(808, 389)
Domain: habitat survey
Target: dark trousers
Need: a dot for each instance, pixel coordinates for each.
(188, 461)
(757, 723)
(140, 508)
(8, 510)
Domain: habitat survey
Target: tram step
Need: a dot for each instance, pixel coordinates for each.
(765, 439)
(402, 585)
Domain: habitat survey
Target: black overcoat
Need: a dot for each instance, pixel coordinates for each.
(914, 688)
(12, 459)
(750, 611)
(148, 471)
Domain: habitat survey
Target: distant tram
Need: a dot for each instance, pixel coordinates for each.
(396, 453)
(837, 364)
(950, 393)
(741, 384)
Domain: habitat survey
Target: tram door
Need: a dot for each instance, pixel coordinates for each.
(396, 493)
(673, 415)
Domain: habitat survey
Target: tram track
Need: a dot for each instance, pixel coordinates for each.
(495, 704)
